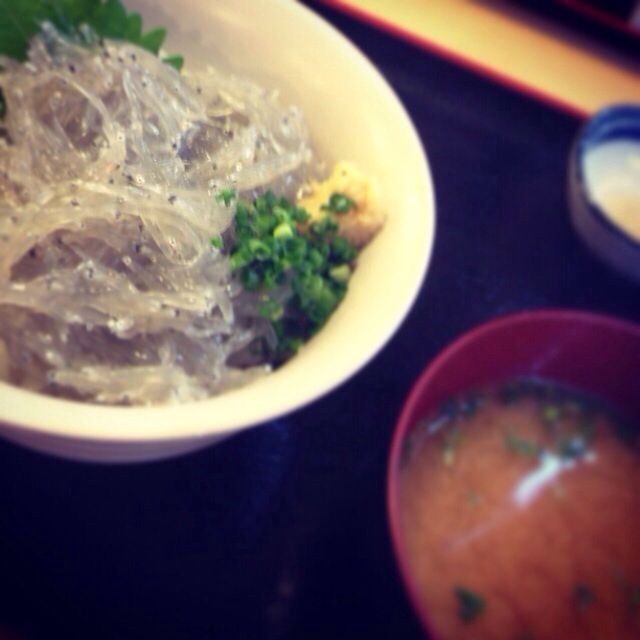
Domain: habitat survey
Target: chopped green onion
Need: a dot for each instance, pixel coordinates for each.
(250, 279)
(340, 273)
(281, 213)
(316, 258)
(292, 344)
(240, 258)
(299, 215)
(283, 230)
(226, 196)
(270, 277)
(308, 265)
(324, 226)
(270, 309)
(342, 250)
(258, 249)
(216, 242)
(338, 203)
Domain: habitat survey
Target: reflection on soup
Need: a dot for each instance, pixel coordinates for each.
(520, 517)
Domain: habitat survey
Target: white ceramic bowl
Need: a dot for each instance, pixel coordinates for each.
(353, 115)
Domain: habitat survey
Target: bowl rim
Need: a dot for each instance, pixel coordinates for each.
(405, 418)
(581, 145)
(43, 415)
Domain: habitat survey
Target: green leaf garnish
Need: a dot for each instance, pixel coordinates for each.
(176, 61)
(20, 20)
(216, 242)
(152, 40)
(470, 604)
(108, 19)
(134, 27)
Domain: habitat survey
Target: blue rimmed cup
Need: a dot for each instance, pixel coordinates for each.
(606, 155)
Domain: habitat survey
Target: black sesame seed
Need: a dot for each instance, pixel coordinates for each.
(172, 199)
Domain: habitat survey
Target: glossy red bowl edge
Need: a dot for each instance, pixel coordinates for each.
(555, 343)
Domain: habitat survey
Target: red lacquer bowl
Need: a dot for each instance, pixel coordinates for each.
(595, 353)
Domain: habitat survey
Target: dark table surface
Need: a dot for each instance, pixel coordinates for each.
(281, 532)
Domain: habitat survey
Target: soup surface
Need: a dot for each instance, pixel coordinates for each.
(520, 516)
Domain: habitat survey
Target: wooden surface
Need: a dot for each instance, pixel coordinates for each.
(501, 38)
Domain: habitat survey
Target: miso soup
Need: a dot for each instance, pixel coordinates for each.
(520, 516)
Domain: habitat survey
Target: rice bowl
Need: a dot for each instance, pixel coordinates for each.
(366, 124)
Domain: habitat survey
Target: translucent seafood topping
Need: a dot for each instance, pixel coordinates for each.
(110, 288)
